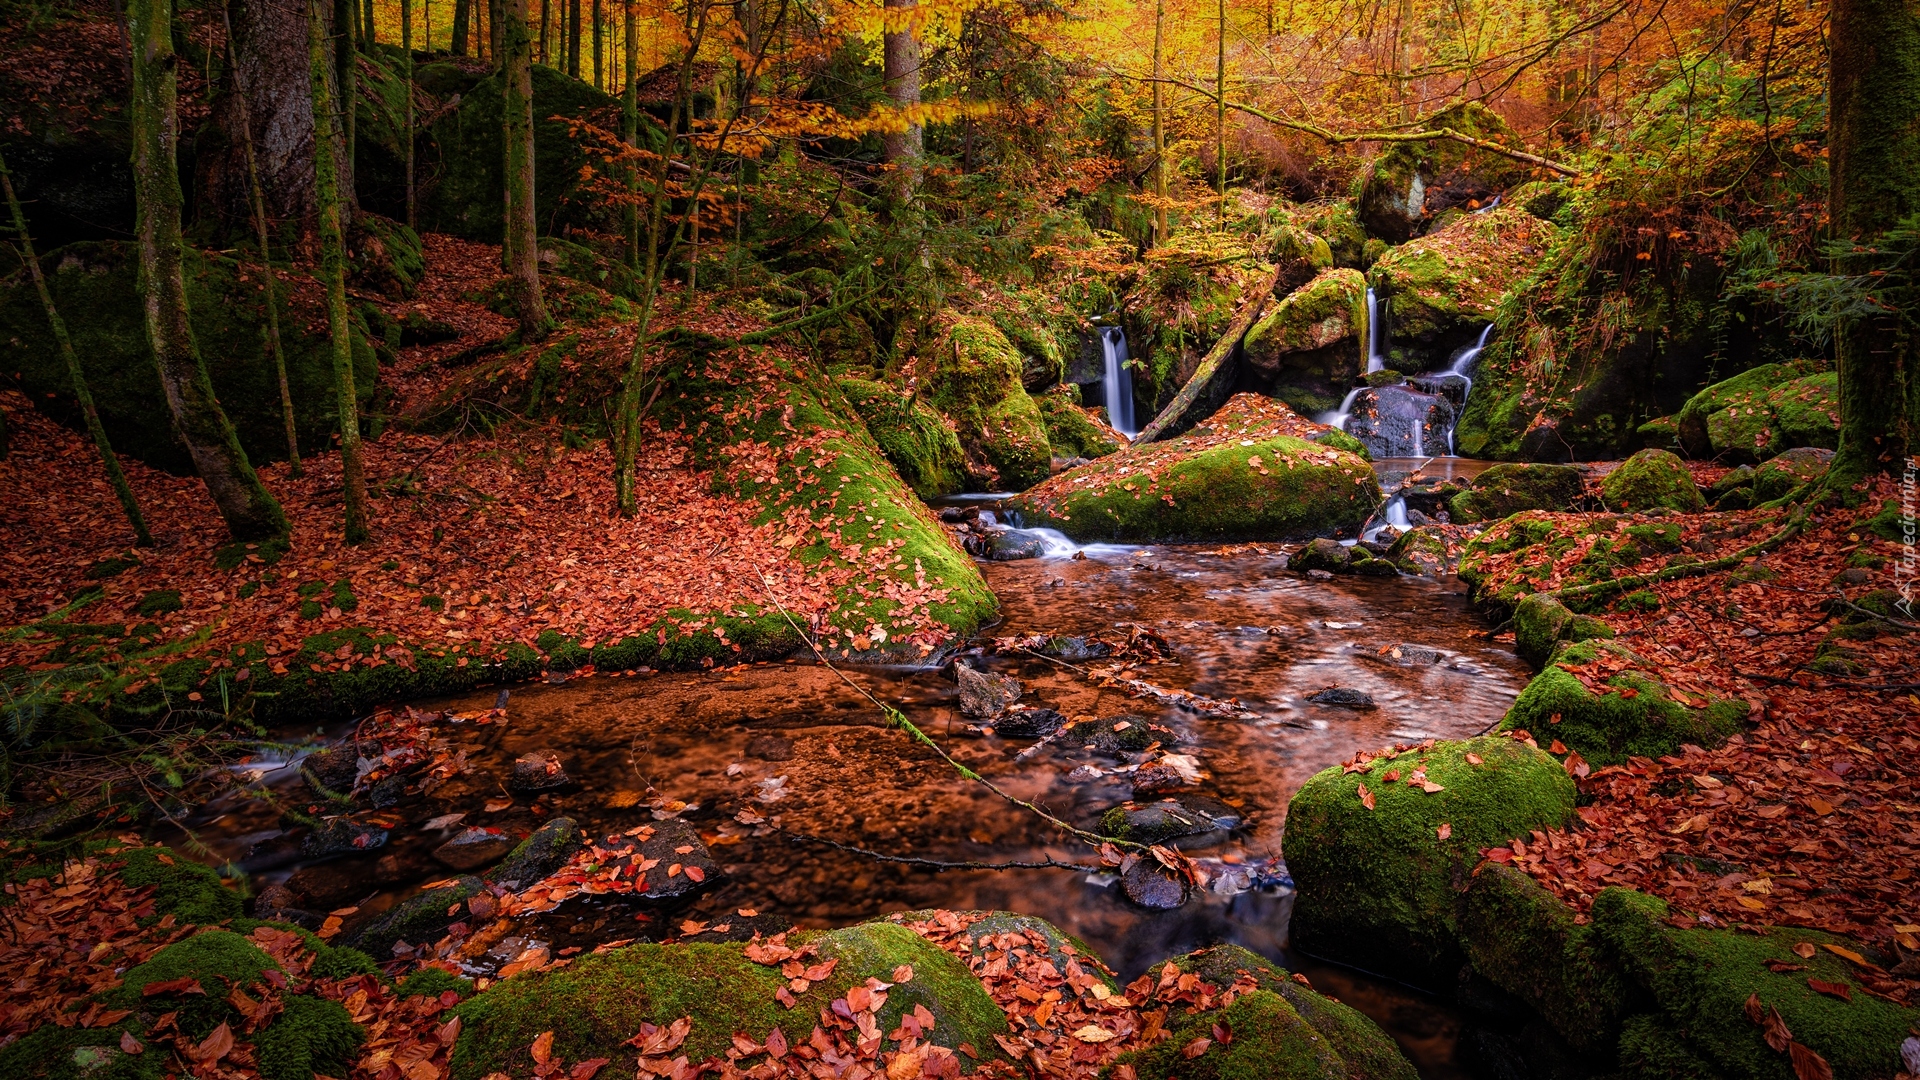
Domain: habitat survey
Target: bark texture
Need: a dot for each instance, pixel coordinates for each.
(251, 513)
(265, 98)
(521, 249)
(1875, 162)
(901, 54)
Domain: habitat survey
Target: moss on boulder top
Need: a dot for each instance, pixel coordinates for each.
(599, 1002)
(1070, 431)
(1308, 348)
(1246, 473)
(1781, 474)
(1541, 623)
(1336, 223)
(1619, 709)
(1762, 411)
(913, 435)
(1380, 874)
(1701, 981)
(1270, 1040)
(974, 375)
(1529, 943)
(1450, 283)
(1507, 489)
(1409, 183)
(1652, 478)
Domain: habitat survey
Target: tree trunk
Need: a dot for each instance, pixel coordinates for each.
(274, 113)
(546, 37)
(599, 43)
(406, 135)
(1220, 115)
(1160, 232)
(1874, 145)
(521, 249)
(346, 89)
(630, 119)
(460, 16)
(367, 32)
(115, 476)
(573, 38)
(901, 54)
(333, 272)
(249, 510)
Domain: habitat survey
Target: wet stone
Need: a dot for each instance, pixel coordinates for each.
(538, 771)
(1411, 655)
(770, 748)
(984, 695)
(1172, 772)
(1154, 823)
(1150, 886)
(333, 769)
(1117, 736)
(678, 848)
(387, 792)
(342, 837)
(1029, 723)
(473, 847)
(278, 903)
(544, 852)
(1344, 697)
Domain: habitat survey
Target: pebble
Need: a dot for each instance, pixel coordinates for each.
(473, 847)
(538, 771)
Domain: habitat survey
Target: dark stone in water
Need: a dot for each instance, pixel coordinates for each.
(1400, 421)
(420, 918)
(678, 847)
(1009, 546)
(342, 837)
(473, 847)
(1116, 736)
(1029, 723)
(954, 515)
(387, 792)
(1413, 655)
(770, 748)
(1155, 823)
(546, 851)
(1073, 649)
(1150, 886)
(1343, 696)
(1322, 554)
(333, 770)
(984, 695)
(277, 903)
(538, 771)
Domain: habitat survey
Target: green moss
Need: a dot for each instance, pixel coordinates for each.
(1662, 433)
(1735, 417)
(1452, 281)
(312, 1036)
(52, 1052)
(1391, 197)
(218, 960)
(594, 1006)
(1701, 980)
(1541, 623)
(1652, 478)
(1638, 716)
(1340, 440)
(1330, 308)
(432, 982)
(183, 888)
(1785, 473)
(1421, 551)
(420, 918)
(1650, 1048)
(1070, 432)
(916, 439)
(1806, 412)
(1527, 942)
(1269, 1040)
(1335, 223)
(1379, 887)
(159, 602)
(111, 566)
(976, 384)
(1507, 489)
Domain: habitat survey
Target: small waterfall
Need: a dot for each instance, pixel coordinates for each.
(1118, 381)
(1338, 417)
(1376, 312)
(1490, 205)
(1391, 516)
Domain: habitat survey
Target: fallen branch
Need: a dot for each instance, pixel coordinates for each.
(1673, 573)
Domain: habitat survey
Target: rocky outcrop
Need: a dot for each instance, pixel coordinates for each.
(1308, 350)
(973, 375)
(1760, 412)
(918, 441)
(1443, 289)
(1411, 183)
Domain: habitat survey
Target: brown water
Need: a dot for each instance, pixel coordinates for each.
(794, 743)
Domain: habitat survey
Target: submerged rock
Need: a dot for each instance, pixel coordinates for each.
(1649, 479)
(342, 837)
(473, 847)
(1344, 697)
(984, 695)
(1168, 819)
(1167, 773)
(540, 854)
(684, 865)
(1028, 723)
(538, 771)
(1116, 736)
(1150, 885)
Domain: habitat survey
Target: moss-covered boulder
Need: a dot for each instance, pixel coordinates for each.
(1784, 472)
(1364, 1051)
(1507, 489)
(974, 375)
(94, 284)
(465, 196)
(1541, 623)
(1382, 853)
(1070, 431)
(917, 440)
(597, 1004)
(1443, 289)
(1529, 943)
(1633, 714)
(1806, 412)
(1703, 981)
(1340, 440)
(1762, 411)
(1409, 183)
(1041, 329)
(1660, 433)
(1649, 479)
(1421, 551)
(1270, 1040)
(1307, 351)
(1239, 475)
(1334, 222)
(1017, 933)
(182, 888)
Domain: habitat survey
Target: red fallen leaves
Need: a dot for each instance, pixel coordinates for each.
(1807, 1065)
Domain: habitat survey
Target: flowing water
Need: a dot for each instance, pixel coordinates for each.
(1117, 381)
(792, 741)
(1376, 334)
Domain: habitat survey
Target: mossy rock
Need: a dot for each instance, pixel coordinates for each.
(1528, 942)
(313, 1037)
(1270, 1042)
(384, 256)
(1420, 551)
(917, 440)
(1739, 408)
(1340, 440)
(1652, 478)
(1043, 336)
(1308, 350)
(94, 285)
(420, 918)
(1806, 412)
(1507, 489)
(975, 382)
(1409, 182)
(1785, 472)
(432, 982)
(1336, 223)
(1070, 431)
(1379, 887)
(1365, 1051)
(1445, 286)
(1701, 980)
(1662, 433)
(1205, 485)
(52, 1052)
(1637, 717)
(1541, 623)
(1060, 947)
(599, 1002)
(183, 888)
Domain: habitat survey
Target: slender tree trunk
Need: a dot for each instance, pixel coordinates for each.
(546, 25)
(901, 54)
(573, 38)
(496, 20)
(630, 119)
(1874, 143)
(407, 135)
(461, 9)
(267, 43)
(521, 249)
(249, 510)
(333, 272)
(266, 271)
(115, 476)
(367, 36)
(1160, 231)
(599, 41)
(346, 69)
(1220, 114)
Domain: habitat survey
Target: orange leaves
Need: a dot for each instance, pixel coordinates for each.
(1366, 797)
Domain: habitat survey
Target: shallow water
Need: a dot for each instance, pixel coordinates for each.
(796, 743)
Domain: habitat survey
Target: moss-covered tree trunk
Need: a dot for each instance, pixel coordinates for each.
(250, 511)
(900, 50)
(265, 103)
(1875, 161)
(630, 121)
(407, 135)
(521, 249)
(460, 17)
(333, 261)
(573, 38)
(346, 90)
(115, 475)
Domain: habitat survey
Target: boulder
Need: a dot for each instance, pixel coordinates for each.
(1785, 472)
(1335, 223)
(1072, 431)
(1308, 350)
(1409, 183)
(1649, 479)
(984, 695)
(1762, 411)
(1420, 551)
(1241, 475)
(1007, 931)
(1028, 723)
(598, 1003)
(540, 854)
(682, 865)
(1115, 736)
(1541, 623)
(973, 372)
(918, 441)
(1400, 419)
(342, 837)
(1380, 876)
(537, 771)
(1607, 728)
(1443, 289)
(473, 847)
(1529, 943)
(1321, 554)
(1188, 298)
(1507, 489)
(1153, 887)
